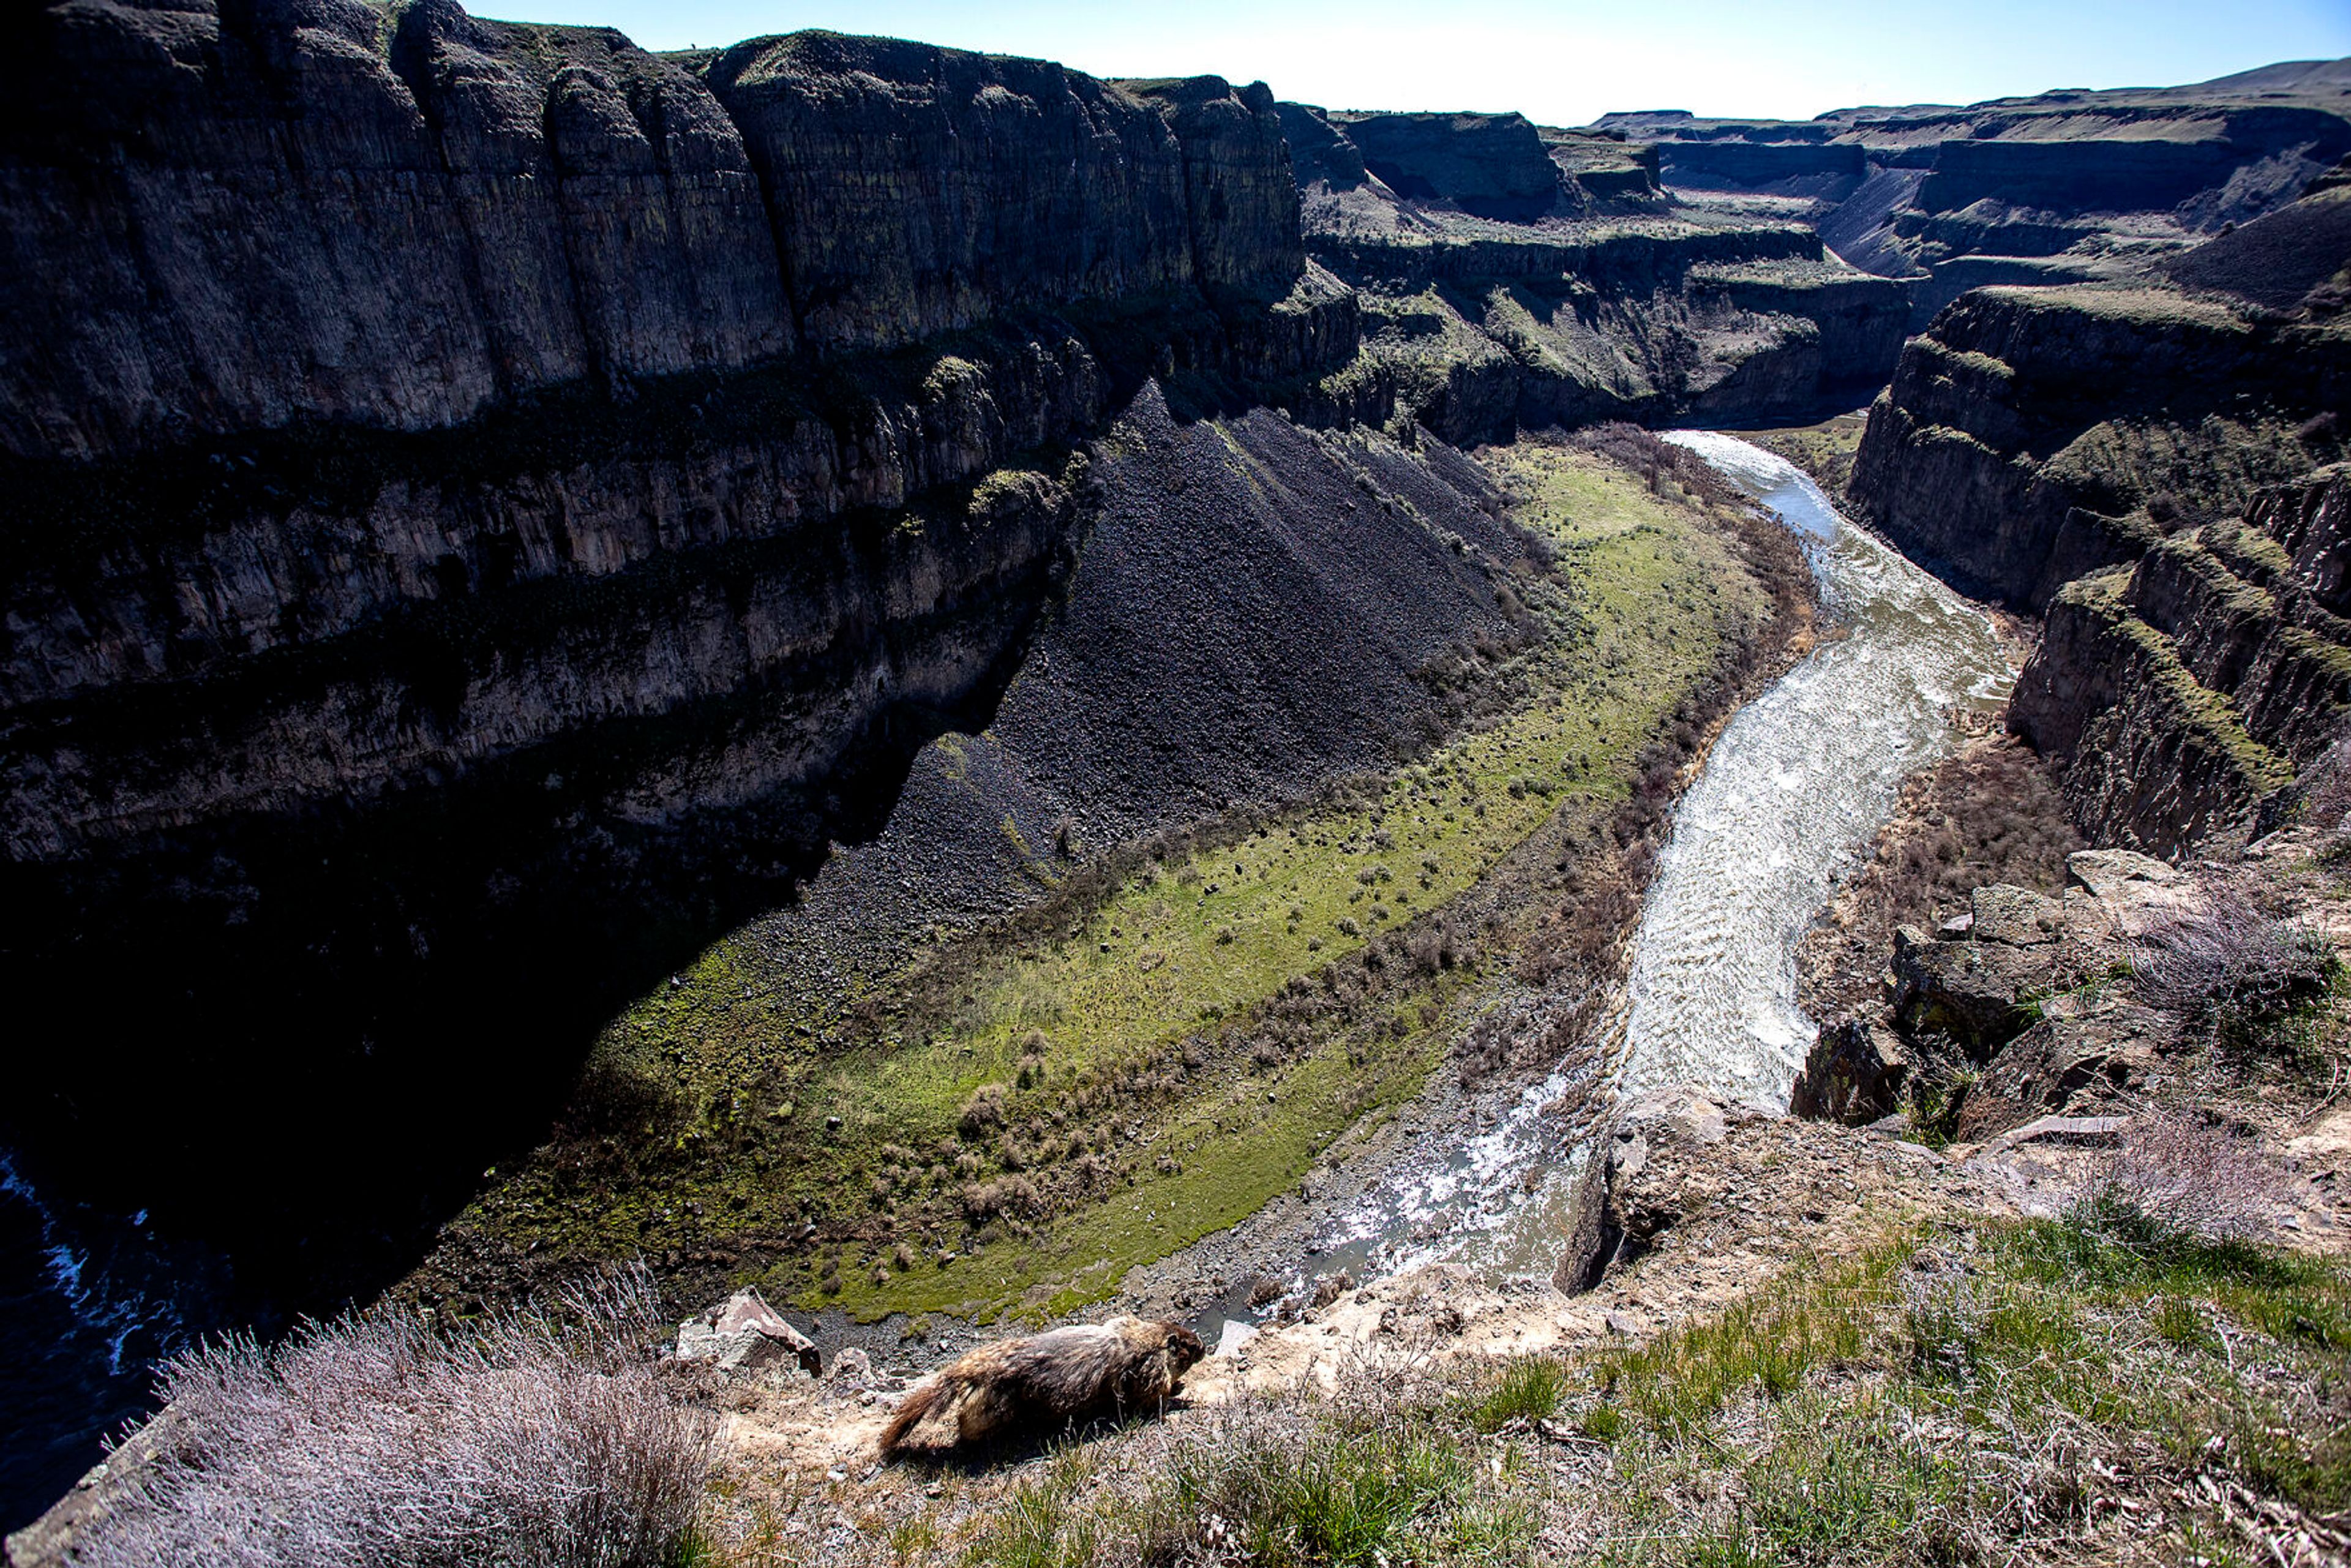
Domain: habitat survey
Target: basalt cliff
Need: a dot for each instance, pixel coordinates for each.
(2146, 465)
(850, 662)
(487, 503)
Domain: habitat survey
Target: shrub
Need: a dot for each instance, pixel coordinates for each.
(2327, 787)
(1006, 1197)
(546, 1440)
(2230, 968)
(984, 1112)
(2176, 1174)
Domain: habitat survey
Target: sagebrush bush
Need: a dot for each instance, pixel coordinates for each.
(2326, 788)
(2176, 1174)
(546, 1441)
(2230, 968)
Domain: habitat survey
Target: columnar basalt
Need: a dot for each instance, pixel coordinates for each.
(2184, 690)
(481, 499)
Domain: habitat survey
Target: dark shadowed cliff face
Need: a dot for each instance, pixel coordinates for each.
(484, 506)
(1489, 165)
(228, 218)
(919, 190)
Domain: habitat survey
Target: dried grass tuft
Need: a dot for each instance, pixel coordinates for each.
(546, 1439)
(2228, 966)
(2176, 1174)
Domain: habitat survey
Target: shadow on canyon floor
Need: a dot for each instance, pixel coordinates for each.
(301, 1046)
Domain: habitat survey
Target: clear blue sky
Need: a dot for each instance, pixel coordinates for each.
(1560, 61)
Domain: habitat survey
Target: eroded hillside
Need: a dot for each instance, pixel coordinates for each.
(960, 691)
(869, 1105)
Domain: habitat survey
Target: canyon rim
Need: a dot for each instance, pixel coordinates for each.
(1593, 795)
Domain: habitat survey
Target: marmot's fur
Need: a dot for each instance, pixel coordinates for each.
(1045, 1382)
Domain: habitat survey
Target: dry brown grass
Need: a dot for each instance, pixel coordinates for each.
(546, 1441)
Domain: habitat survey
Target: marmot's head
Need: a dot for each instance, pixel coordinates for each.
(1184, 1348)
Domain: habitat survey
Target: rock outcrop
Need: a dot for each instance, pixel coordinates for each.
(2064, 187)
(1606, 171)
(229, 218)
(1498, 294)
(400, 391)
(1987, 1025)
(224, 218)
(1966, 991)
(2037, 1018)
(2032, 435)
(1487, 166)
(744, 1335)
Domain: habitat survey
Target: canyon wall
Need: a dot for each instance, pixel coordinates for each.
(394, 390)
(2148, 465)
(2027, 434)
(1512, 276)
(485, 505)
(2183, 691)
(246, 215)
(2067, 186)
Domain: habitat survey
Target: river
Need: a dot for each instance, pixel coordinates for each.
(1799, 780)
(1795, 789)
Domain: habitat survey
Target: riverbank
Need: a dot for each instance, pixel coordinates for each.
(1477, 903)
(1183, 1028)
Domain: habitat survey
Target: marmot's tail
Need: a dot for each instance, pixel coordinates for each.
(919, 1402)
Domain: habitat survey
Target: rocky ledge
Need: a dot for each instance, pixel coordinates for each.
(2029, 1011)
(2179, 692)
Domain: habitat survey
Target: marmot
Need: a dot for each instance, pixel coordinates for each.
(1044, 1382)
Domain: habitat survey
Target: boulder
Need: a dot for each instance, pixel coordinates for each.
(1970, 991)
(2062, 1064)
(1654, 1162)
(852, 1368)
(746, 1336)
(2015, 916)
(2116, 874)
(2070, 1131)
(1854, 1075)
(1692, 1112)
(2119, 894)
